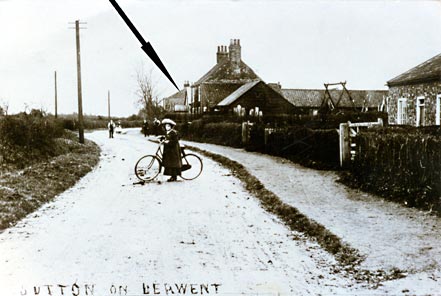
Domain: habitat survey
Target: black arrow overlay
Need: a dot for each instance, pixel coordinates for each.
(146, 46)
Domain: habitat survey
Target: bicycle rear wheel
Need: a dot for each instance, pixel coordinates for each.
(191, 167)
(147, 168)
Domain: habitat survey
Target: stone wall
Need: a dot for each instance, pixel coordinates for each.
(411, 92)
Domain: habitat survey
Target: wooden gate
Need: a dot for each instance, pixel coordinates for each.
(347, 132)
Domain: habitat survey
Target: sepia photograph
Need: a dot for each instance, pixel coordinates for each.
(220, 147)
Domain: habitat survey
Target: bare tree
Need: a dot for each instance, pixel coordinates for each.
(147, 93)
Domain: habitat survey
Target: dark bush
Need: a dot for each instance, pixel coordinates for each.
(315, 148)
(222, 133)
(28, 137)
(402, 164)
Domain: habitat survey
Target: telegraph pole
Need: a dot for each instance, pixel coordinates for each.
(108, 104)
(80, 95)
(56, 107)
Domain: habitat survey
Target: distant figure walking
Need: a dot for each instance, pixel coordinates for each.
(156, 126)
(171, 158)
(111, 127)
(145, 128)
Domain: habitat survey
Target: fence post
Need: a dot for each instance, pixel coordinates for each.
(345, 151)
(267, 133)
(245, 133)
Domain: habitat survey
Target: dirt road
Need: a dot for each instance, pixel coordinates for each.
(111, 237)
(106, 236)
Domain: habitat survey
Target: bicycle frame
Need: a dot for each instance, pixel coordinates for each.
(159, 152)
(189, 160)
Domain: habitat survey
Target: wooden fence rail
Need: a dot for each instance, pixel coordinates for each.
(347, 132)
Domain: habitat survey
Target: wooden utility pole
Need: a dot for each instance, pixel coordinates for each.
(108, 104)
(56, 107)
(80, 96)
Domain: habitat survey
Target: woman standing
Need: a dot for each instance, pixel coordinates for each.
(171, 158)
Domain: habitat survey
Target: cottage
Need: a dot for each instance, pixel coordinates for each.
(415, 95)
(178, 101)
(229, 73)
(229, 84)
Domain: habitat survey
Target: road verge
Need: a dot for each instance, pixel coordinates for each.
(22, 191)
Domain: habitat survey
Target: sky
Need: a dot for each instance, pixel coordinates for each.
(301, 44)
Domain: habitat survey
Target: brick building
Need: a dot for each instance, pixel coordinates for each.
(227, 75)
(415, 95)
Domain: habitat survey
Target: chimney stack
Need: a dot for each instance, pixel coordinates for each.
(221, 54)
(235, 51)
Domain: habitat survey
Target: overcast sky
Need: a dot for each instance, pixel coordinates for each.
(300, 44)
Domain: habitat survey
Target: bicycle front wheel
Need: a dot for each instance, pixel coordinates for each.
(147, 168)
(191, 167)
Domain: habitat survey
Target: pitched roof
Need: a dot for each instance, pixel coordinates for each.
(314, 97)
(304, 97)
(177, 98)
(178, 95)
(238, 93)
(226, 71)
(428, 71)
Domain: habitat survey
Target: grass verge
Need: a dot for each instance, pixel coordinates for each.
(22, 191)
(348, 258)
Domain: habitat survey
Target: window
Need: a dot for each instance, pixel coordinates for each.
(402, 111)
(438, 109)
(420, 111)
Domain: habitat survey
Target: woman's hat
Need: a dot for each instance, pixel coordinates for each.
(169, 121)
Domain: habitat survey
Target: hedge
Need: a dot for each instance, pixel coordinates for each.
(71, 123)
(321, 121)
(314, 148)
(318, 148)
(222, 133)
(402, 164)
(28, 137)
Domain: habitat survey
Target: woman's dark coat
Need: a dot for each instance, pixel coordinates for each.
(172, 153)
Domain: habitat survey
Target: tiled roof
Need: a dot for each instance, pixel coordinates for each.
(304, 97)
(314, 97)
(428, 71)
(225, 72)
(238, 93)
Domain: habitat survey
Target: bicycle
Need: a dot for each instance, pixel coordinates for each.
(149, 166)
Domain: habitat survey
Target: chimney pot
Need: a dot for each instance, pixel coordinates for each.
(235, 52)
(221, 53)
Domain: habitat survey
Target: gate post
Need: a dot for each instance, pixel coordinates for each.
(245, 133)
(345, 149)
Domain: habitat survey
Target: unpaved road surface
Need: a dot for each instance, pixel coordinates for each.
(388, 235)
(106, 236)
